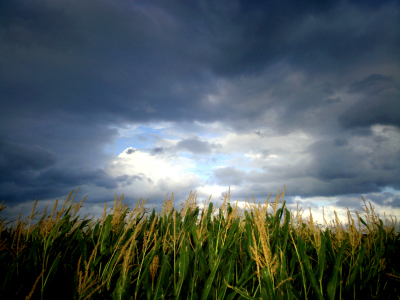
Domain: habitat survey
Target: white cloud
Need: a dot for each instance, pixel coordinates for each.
(157, 173)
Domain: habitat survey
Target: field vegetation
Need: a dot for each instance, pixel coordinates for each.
(262, 252)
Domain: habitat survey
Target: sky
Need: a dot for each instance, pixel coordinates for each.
(149, 98)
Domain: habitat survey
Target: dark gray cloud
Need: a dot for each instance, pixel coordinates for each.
(196, 146)
(340, 142)
(130, 150)
(373, 84)
(113, 62)
(379, 103)
(78, 177)
(17, 157)
(126, 180)
(332, 161)
(229, 176)
(385, 198)
(52, 183)
(157, 151)
(73, 71)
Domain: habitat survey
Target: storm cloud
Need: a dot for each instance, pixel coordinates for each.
(148, 98)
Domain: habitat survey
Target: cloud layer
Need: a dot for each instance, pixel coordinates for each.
(199, 96)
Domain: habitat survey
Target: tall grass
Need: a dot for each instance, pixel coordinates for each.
(264, 252)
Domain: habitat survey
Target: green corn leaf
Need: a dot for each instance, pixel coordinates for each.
(183, 265)
(152, 216)
(246, 272)
(194, 234)
(109, 269)
(321, 259)
(242, 292)
(209, 211)
(296, 295)
(165, 267)
(105, 243)
(147, 264)
(277, 225)
(82, 245)
(333, 282)
(95, 233)
(121, 291)
(10, 271)
(228, 274)
(249, 237)
(264, 294)
(203, 268)
(285, 229)
(49, 239)
(286, 287)
(214, 269)
(362, 221)
(329, 246)
(53, 268)
(210, 246)
(356, 269)
(382, 238)
(292, 264)
(83, 224)
(34, 251)
(269, 283)
(194, 275)
(308, 268)
(232, 232)
(230, 209)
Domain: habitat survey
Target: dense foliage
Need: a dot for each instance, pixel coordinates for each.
(266, 252)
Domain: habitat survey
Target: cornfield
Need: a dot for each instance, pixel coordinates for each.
(263, 252)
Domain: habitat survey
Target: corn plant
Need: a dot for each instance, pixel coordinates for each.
(264, 252)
